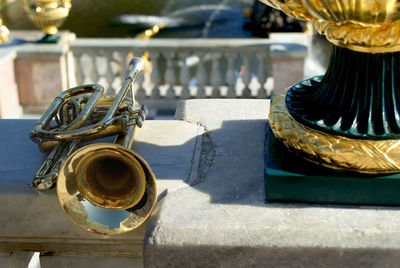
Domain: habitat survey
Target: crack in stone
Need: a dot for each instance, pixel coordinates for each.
(205, 161)
(206, 158)
(192, 161)
(207, 155)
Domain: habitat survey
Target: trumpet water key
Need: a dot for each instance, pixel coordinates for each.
(105, 188)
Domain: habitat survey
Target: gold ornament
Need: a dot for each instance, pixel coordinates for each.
(47, 15)
(333, 151)
(360, 25)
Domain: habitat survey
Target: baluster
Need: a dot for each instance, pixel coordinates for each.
(246, 76)
(86, 67)
(141, 91)
(184, 77)
(155, 75)
(94, 74)
(230, 77)
(261, 76)
(216, 76)
(122, 69)
(124, 64)
(201, 77)
(118, 68)
(109, 75)
(79, 75)
(170, 75)
(269, 72)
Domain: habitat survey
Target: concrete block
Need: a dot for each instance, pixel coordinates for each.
(40, 69)
(211, 211)
(9, 101)
(223, 218)
(39, 79)
(32, 221)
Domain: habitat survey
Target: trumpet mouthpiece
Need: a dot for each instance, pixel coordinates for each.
(137, 64)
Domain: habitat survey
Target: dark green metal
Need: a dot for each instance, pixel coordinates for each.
(49, 39)
(358, 97)
(290, 178)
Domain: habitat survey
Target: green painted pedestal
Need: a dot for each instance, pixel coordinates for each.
(290, 178)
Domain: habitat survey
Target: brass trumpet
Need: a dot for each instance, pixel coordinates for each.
(104, 188)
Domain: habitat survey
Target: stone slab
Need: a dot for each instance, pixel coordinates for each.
(31, 221)
(88, 261)
(40, 69)
(290, 178)
(23, 41)
(40, 78)
(224, 220)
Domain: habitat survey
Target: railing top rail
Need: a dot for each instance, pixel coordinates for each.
(278, 43)
(169, 43)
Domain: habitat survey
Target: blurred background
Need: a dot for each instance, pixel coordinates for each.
(182, 18)
(200, 49)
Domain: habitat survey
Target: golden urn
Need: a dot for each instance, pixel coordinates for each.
(47, 15)
(360, 25)
(348, 119)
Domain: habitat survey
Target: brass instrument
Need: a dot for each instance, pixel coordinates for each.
(104, 188)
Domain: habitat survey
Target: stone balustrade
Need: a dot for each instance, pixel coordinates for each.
(187, 68)
(177, 69)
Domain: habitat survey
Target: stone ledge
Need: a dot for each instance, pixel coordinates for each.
(30, 221)
(224, 219)
(23, 43)
(211, 211)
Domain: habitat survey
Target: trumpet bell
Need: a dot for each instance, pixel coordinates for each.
(106, 189)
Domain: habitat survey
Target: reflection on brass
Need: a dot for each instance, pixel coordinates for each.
(361, 25)
(333, 151)
(47, 15)
(4, 33)
(104, 188)
(106, 213)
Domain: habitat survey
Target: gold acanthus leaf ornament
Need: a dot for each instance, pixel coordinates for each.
(333, 151)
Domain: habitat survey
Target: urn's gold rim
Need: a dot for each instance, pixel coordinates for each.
(391, 49)
(356, 25)
(381, 38)
(333, 151)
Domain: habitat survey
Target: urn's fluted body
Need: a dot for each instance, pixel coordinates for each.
(47, 15)
(361, 25)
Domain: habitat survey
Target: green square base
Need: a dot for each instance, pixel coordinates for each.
(290, 178)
